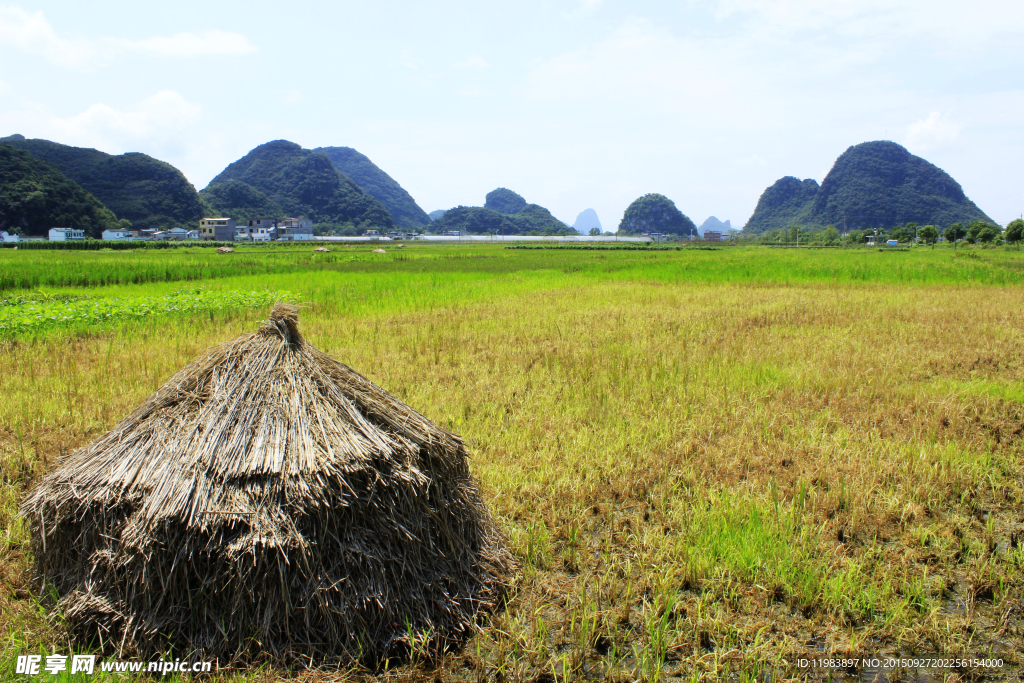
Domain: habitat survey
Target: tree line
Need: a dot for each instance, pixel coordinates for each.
(976, 232)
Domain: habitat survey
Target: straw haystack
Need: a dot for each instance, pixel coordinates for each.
(379, 251)
(321, 249)
(225, 250)
(268, 502)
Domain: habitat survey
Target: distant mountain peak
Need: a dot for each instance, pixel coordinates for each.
(301, 182)
(656, 213)
(279, 145)
(871, 185)
(36, 196)
(378, 184)
(715, 225)
(505, 213)
(586, 221)
(148, 192)
(504, 200)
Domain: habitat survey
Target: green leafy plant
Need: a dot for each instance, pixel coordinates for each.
(21, 316)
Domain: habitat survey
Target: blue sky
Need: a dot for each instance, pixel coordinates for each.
(571, 103)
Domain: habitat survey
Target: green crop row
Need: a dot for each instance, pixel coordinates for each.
(24, 316)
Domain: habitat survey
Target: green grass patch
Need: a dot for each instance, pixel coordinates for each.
(1009, 391)
(20, 270)
(24, 316)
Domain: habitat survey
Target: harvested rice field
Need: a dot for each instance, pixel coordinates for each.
(738, 465)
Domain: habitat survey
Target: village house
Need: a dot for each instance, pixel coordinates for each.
(295, 229)
(220, 229)
(247, 233)
(714, 236)
(259, 229)
(66, 234)
(182, 234)
(262, 222)
(266, 229)
(119, 234)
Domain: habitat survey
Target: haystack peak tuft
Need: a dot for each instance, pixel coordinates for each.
(284, 319)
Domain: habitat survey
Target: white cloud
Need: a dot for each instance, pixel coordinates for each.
(406, 59)
(31, 33)
(194, 44)
(752, 160)
(291, 97)
(931, 132)
(152, 123)
(649, 66)
(475, 62)
(941, 20)
(416, 70)
(582, 8)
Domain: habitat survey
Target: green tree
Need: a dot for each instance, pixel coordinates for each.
(874, 235)
(900, 233)
(794, 234)
(955, 232)
(829, 235)
(912, 229)
(595, 231)
(988, 234)
(928, 234)
(1014, 231)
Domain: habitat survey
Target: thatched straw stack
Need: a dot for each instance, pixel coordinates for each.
(225, 250)
(269, 502)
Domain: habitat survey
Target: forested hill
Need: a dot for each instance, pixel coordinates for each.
(871, 185)
(477, 220)
(504, 200)
(504, 213)
(35, 196)
(235, 199)
(787, 202)
(881, 184)
(378, 184)
(656, 213)
(148, 192)
(305, 183)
